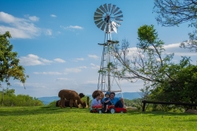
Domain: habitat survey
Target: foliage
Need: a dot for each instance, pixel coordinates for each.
(184, 86)
(55, 119)
(9, 63)
(128, 102)
(8, 98)
(176, 12)
(52, 104)
(134, 103)
(148, 63)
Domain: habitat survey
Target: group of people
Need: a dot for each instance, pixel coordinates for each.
(109, 99)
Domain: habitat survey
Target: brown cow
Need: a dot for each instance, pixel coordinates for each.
(72, 96)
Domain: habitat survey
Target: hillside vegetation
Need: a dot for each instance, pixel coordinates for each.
(9, 98)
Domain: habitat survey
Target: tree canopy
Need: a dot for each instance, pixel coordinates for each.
(9, 63)
(176, 12)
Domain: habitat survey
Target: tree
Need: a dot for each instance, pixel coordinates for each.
(147, 63)
(9, 63)
(176, 12)
(163, 79)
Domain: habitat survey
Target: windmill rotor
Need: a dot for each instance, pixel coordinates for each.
(108, 18)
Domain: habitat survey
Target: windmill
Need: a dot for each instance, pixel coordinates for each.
(108, 17)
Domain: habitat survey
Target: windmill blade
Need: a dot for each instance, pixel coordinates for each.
(115, 10)
(100, 24)
(109, 7)
(98, 15)
(97, 22)
(120, 16)
(103, 26)
(118, 19)
(102, 8)
(105, 7)
(99, 11)
(113, 7)
(119, 12)
(97, 18)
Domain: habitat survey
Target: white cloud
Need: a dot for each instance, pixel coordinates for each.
(37, 86)
(171, 46)
(174, 48)
(91, 82)
(48, 32)
(45, 61)
(72, 27)
(82, 67)
(75, 27)
(18, 27)
(93, 66)
(52, 15)
(33, 60)
(62, 79)
(59, 60)
(72, 70)
(169, 49)
(93, 56)
(79, 59)
(47, 73)
(34, 18)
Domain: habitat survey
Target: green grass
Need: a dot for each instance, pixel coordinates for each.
(56, 119)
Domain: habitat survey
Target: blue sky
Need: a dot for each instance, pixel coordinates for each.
(57, 41)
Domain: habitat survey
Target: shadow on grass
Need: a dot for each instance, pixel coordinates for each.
(159, 113)
(17, 111)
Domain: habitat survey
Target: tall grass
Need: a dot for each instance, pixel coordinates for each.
(57, 119)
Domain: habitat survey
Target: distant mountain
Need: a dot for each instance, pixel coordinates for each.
(126, 95)
(129, 95)
(47, 100)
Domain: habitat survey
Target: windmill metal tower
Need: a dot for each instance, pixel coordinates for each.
(108, 18)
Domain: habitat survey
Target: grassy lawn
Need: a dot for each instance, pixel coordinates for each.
(56, 119)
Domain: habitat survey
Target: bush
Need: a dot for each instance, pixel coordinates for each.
(8, 98)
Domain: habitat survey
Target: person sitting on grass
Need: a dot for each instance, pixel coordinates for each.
(106, 101)
(97, 101)
(116, 101)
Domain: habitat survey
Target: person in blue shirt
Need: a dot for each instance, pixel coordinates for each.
(116, 101)
(106, 101)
